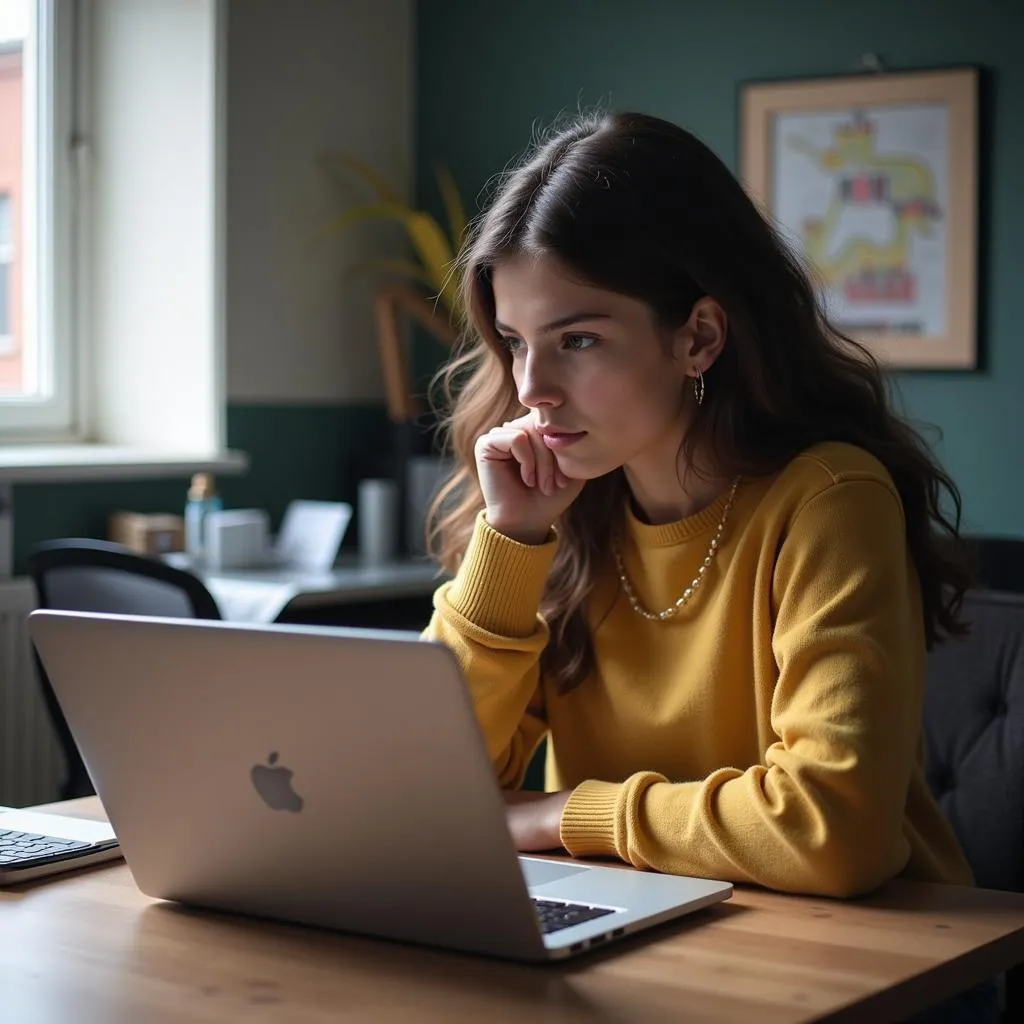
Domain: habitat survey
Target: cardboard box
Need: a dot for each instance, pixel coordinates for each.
(147, 534)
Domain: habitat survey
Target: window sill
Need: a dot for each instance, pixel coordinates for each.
(67, 463)
(49, 463)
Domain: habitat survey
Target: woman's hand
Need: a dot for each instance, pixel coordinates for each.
(524, 490)
(534, 819)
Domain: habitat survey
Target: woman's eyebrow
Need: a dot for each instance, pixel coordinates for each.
(562, 321)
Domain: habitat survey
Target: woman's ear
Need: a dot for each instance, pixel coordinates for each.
(702, 337)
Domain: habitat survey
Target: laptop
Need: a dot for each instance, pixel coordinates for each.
(34, 845)
(329, 777)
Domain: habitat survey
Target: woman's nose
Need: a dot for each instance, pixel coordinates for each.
(537, 384)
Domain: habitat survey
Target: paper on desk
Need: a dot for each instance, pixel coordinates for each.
(250, 600)
(311, 534)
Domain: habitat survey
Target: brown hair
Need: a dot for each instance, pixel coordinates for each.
(639, 206)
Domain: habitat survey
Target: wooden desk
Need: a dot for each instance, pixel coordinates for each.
(92, 948)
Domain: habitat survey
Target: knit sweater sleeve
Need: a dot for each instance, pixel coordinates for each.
(488, 615)
(822, 813)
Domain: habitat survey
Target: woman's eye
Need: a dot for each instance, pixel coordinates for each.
(512, 344)
(580, 341)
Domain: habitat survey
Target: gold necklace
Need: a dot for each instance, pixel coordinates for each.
(695, 583)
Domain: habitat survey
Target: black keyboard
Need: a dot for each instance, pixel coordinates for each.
(19, 849)
(555, 915)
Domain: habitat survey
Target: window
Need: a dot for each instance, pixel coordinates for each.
(115, 300)
(6, 260)
(36, 70)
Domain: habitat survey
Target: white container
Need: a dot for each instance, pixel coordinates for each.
(377, 518)
(425, 475)
(236, 538)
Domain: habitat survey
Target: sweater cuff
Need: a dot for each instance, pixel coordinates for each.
(588, 819)
(500, 583)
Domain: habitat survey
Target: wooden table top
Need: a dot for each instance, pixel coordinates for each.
(90, 947)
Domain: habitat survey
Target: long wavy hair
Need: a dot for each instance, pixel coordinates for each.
(638, 206)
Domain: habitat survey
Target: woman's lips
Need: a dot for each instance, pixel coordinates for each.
(558, 439)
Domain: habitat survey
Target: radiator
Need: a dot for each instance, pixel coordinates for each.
(31, 761)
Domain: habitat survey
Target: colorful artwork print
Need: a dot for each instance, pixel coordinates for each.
(863, 193)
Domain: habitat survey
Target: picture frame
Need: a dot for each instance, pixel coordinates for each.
(873, 179)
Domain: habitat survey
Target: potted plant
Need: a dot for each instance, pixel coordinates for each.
(427, 291)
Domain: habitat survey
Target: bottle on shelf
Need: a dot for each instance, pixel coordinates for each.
(202, 500)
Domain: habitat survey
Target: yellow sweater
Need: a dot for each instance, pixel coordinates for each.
(770, 733)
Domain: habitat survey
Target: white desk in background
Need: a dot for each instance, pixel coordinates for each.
(260, 595)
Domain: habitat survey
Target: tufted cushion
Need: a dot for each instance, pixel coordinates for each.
(974, 736)
(998, 563)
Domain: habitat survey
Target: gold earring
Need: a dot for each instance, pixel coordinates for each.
(698, 388)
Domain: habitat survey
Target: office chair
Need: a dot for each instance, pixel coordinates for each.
(998, 563)
(97, 576)
(974, 741)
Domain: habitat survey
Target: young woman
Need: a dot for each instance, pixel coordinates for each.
(691, 543)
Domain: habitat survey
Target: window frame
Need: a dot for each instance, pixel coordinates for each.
(52, 70)
(6, 260)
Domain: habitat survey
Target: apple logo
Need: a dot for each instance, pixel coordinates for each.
(274, 785)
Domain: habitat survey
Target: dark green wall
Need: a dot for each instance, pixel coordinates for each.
(487, 74)
(295, 451)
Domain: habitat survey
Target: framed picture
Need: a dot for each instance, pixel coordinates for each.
(873, 178)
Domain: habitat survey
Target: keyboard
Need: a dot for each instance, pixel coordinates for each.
(554, 915)
(31, 849)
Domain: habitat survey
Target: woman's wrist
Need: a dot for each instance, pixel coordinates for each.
(531, 536)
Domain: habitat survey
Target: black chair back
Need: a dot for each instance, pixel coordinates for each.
(98, 576)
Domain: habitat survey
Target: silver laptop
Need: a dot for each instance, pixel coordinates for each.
(328, 777)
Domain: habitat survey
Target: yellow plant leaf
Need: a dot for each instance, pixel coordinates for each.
(452, 204)
(368, 211)
(402, 268)
(429, 241)
(383, 188)
(436, 253)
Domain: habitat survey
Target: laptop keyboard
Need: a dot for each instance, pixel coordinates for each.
(554, 915)
(20, 849)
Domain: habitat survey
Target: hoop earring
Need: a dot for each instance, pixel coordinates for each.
(698, 388)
